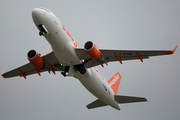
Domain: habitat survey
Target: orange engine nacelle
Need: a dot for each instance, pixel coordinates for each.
(92, 50)
(35, 58)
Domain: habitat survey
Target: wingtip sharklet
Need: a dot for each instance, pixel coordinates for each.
(4, 74)
(171, 52)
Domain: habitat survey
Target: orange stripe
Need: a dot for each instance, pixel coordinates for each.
(52, 69)
(171, 52)
(23, 74)
(118, 57)
(139, 56)
(101, 63)
(37, 71)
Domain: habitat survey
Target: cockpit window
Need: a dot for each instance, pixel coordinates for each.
(46, 10)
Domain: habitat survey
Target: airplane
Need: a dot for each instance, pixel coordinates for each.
(80, 63)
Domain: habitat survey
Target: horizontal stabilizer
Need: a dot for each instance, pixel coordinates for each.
(128, 99)
(95, 104)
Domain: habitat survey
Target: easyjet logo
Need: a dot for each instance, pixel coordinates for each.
(101, 76)
(116, 77)
(75, 43)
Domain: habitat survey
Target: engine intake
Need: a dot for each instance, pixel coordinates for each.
(92, 50)
(35, 58)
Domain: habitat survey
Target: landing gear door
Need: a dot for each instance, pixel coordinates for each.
(42, 30)
(72, 70)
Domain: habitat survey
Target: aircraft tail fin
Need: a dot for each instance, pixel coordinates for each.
(114, 82)
(96, 103)
(128, 99)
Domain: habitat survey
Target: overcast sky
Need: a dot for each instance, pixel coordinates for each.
(122, 24)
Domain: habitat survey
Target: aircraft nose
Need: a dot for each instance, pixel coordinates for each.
(35, 13)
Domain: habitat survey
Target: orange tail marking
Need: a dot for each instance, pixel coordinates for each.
(114, 82)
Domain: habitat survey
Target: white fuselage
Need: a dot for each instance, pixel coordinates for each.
(63, 46)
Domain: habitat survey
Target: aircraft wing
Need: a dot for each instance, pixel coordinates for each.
(120, 55)
(28, 69)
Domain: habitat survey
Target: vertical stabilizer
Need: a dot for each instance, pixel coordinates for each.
(114, 82)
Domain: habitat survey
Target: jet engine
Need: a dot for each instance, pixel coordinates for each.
(35, 58)
(92, 50)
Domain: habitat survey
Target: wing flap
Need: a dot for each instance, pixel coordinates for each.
(128, 99)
